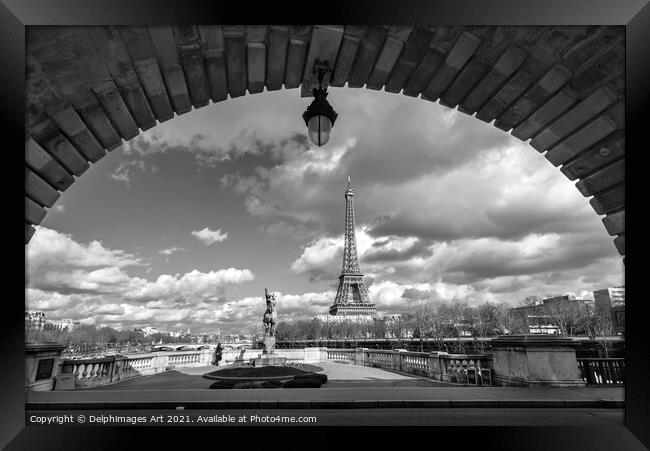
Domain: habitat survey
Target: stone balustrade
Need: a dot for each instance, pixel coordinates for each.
(91, 372)
(86, 373)
(470, 369)
(379, 359)
(340, 354)
(602, 371)
(464, 368)
(244, 355)
(457, 368)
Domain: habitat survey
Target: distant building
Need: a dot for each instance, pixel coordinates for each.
(464, 328)
(558, 298)
(236, 338)
(611, 301)
(581, 307)
(569, 298)
(609, 297)
(35, 320)
(327, 318)
(148, 330)
(62, 324)
(389, 317)
(535, 320)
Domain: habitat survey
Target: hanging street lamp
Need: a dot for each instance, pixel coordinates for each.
(320, 116)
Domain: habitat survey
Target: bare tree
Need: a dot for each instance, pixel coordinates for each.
(396, 328)
(314, 329)
(568, 315)
(603, 328)
(459, 320)
(507, 321)
(530, 300)
(421, 320)
(485, 323)
(378, 328)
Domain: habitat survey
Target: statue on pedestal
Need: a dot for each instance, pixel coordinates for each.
(269, 320)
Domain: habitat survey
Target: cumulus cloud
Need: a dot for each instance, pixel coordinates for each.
(245, 312)
(209, 150)
(125, 170)
(171, 250)
(191, 284)
(208, 237)
(49, 247)
(475, 270)
(237, 315)
(82, 281)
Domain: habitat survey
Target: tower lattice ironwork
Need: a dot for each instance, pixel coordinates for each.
(352, 296)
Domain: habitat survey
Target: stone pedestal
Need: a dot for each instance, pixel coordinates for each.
(531, 360)
(269, 344)
(268, 356)
(269, 360)
(42, 362)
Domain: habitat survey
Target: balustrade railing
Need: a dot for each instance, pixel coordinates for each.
(415, 362)
(184, 359)
(90, 372)
(602, 371)
(340, 354)
(379, 359)
(473, 369)
(91, 369)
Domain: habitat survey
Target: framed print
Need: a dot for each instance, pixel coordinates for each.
(432, 196)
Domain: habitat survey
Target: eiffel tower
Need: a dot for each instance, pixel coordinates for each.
(352, 296)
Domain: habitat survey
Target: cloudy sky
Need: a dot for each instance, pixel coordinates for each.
(186, 224)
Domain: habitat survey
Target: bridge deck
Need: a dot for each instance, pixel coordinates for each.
(349, 386)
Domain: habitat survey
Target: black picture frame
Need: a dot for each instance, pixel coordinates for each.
(15, 15)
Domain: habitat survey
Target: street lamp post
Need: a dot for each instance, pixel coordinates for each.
(320, 116)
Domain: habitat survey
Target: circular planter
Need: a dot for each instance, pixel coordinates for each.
(249, 378)
(231, 378)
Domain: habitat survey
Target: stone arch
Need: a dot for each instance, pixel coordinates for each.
(562, 88)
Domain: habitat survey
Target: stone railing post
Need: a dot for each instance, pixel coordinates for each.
(206, 357)
(530, 360)
(314, 354)
(164, 363)
(444, 366)
(158, 363)
(397, 360)
(118, 365)
(359, 356)
(434, 366)
(42, 365)
(66, 378)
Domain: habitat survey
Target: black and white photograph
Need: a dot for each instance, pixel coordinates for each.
(325, 225)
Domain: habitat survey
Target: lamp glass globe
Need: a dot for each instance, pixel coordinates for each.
(319, 129)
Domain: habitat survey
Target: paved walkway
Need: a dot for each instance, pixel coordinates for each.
(349, 386)
(339, 375)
